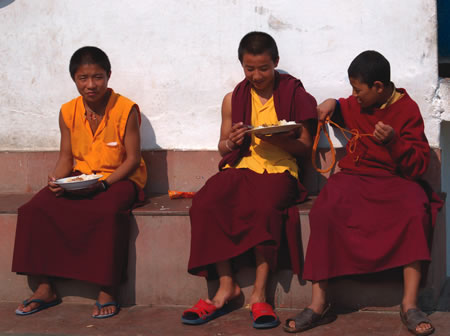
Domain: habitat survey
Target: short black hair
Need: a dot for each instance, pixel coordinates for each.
(370, 66)
(257, 43)
(89, 55)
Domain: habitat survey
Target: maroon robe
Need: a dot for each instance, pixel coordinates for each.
(82, 238)
(375, 214)
(238, 210)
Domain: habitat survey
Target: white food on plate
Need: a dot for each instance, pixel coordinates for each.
(82, 177)
(280, 123)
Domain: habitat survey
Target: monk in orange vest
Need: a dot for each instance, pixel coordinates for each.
(82, 234)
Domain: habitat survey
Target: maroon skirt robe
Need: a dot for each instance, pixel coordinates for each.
(238, 210)
(364, 224)
(82, 238)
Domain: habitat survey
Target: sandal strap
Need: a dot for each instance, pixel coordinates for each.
(107, 304)
(28, 302)
(262, 309)
(414, 317)
(307, 317)
(201, 308)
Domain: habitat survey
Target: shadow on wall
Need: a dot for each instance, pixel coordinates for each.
(158, 180)
(148, 137)
(4, 3)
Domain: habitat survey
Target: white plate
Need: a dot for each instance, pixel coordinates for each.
(273, 129)
(70, 183)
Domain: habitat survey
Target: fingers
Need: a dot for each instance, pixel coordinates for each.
(321, 113)
(383, 132)
(54, 188)
(237, 133)
(325, 109)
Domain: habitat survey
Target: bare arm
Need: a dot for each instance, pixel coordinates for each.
(64, 164)
(326, 108)
(231, 136)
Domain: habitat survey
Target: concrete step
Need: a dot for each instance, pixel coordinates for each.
(157, 267)
(74, 319)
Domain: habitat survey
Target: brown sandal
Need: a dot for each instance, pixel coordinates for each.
(412, 318)
(307, 319)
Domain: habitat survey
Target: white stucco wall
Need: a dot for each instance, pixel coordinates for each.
(177, 58)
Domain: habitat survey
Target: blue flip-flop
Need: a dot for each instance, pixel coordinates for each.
(42, 305)
(202, 312)
(100, 306)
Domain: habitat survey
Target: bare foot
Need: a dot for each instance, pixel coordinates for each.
(257, 297)
(44, 292)
(224, 294)
(104, 297)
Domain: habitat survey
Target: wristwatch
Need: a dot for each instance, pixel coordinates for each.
(105, 185)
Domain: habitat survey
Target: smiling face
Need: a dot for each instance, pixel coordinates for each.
(366, 97)
(259, 70)
(92, 83)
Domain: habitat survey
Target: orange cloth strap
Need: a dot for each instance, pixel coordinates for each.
(352, 142)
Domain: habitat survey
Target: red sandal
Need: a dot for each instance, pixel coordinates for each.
(263, 316)
(202, 312)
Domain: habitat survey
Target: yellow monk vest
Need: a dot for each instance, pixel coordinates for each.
(103, 152)
(265, 156)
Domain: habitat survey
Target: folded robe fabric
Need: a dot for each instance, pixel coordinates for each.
(82, 238)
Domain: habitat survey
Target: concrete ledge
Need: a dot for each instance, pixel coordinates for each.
(159, 245)
(158, 255)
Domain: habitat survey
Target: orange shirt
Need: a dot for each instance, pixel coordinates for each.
(104, 151)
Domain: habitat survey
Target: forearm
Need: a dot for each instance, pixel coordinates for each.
(127, 168)
(226, 146)
(63, 168)
(296, 147)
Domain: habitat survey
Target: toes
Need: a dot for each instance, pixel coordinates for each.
(423, 327)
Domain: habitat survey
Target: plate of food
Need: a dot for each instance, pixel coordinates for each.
(282, 126)
(78, 182)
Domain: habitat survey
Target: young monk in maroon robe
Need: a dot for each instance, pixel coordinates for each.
(374, 214)
(83, 234)
(249, 205)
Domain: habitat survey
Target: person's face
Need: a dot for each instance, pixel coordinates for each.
(366, 97)
(92, 82)
(259, 70)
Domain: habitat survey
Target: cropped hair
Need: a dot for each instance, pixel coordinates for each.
(370, 66)
(257, 43)
(89, 55)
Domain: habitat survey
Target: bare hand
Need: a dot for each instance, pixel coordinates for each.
(56, 189)
(237, 134)
(383, 133)
(278, 139)
(325, 109)
(92, 189)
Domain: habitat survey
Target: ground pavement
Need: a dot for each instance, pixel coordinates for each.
(74, 319)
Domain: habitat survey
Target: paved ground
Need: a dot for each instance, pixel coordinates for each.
(74, 319)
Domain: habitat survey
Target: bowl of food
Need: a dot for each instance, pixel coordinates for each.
(282, 126)
(78, 182)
